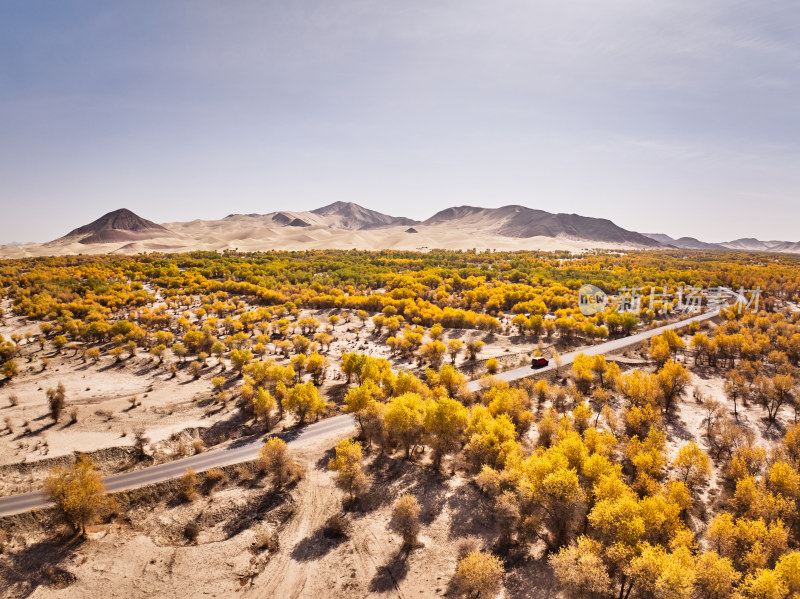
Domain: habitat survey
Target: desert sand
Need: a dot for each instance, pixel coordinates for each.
(270, 232)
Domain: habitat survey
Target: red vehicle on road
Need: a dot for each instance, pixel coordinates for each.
(539, 362)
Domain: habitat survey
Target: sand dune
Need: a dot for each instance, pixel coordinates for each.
(338, 226)
(219, 235)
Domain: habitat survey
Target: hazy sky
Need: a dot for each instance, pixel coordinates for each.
(679, 116)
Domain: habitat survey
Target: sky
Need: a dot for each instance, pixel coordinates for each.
(679, 117)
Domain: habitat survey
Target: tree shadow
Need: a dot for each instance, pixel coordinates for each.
(383, 471)
(118, 365)
(530, 578)
(37, 565)
(470, 516)
(237, 422)
(147, 369)
(389, 574)
(322, 462)
(336, 393)
(253, 511)
(430, 493)
(316, 545)
(704, 372)
(41, 430)
(677, 427)
(773, 430)
(224, 428)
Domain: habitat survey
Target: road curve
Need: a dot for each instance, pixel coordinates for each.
(602, 348)
(216, 458)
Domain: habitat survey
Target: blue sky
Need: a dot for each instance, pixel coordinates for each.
(678, 117)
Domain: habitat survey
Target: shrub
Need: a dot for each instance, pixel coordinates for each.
(478, 574)
(266, 540)
(405, 519)
(191, 531)
(337, 526)
(78, 492)
(195, 369)
(214, 478)
(244, 473)
(56, 400)
(273, 459)
(347, 464)
(188, 485)
(218, 383)
(466, 546)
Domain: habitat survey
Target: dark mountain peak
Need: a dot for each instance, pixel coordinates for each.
(454, 213)
(661, 238)
(119, 225)
(281, 218)
(347, 215)
(523, 222)
(340, 208)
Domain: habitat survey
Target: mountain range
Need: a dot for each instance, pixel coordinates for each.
(345, 225)
(745, 244)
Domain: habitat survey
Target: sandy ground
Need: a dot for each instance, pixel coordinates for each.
(145, 553)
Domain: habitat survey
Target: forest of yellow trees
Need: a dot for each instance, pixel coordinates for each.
(586, 469)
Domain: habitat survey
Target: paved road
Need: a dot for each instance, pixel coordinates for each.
(243, 452)
(602, 348)
(233, 454)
